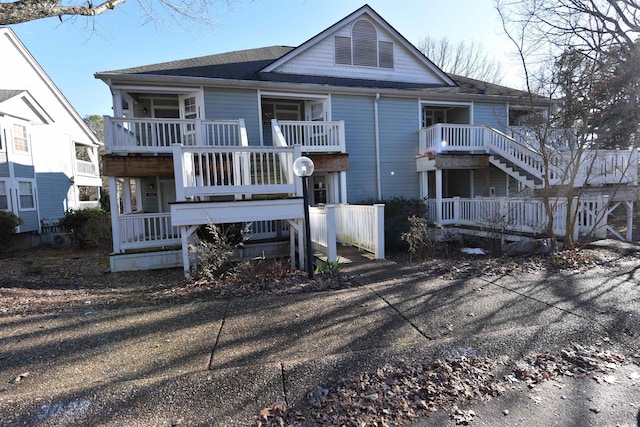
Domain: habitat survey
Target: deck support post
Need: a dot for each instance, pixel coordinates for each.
(185, 232)
(439, 196)
(115, 223)
(629, 235)
(379, 230)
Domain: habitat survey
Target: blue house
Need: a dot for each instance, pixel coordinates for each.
(48, 156)
(212, 139)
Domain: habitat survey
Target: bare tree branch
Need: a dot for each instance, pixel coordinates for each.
(465, 59)
(179, 10)
(30, 10)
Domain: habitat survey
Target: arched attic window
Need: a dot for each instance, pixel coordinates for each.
(363, 47)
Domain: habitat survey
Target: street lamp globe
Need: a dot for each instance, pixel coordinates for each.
(303, 166)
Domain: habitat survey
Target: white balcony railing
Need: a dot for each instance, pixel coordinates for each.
(519, 215)
(312, 136)
(124, 135)
(594, 167)
(84, 167)
(238, 171)
(137, 231)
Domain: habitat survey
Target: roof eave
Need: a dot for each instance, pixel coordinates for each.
(119, 80)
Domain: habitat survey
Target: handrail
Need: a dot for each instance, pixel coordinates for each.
(313, 136)
(147, 230)
(213, 171)
(522, 215)
(147, 135)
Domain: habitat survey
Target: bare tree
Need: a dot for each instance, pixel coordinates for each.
(15, 12)
(571, 51)
(465, 59)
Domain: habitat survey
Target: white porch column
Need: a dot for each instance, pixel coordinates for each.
(438, 196)
(178, 172)
(629, 236)
(185, 232)
(126, 196)
(343, 187)
(379, 230)
(424, 185)
(115, 214)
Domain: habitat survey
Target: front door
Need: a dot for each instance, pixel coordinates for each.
(189, 109)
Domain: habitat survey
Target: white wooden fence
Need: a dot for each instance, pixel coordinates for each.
(520, 215)
(354, 225)
(145, 231)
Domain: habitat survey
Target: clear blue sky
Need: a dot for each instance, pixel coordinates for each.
(71, 52)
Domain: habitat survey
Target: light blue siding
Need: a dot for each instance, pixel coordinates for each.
(4, 165)
(233, 104)
(52, 194)
(30, 219)
(494, 115)
(398, 124)
(357, 113)
(23, 171)
(497, 179)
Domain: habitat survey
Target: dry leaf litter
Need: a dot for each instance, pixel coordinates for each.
(398, 394)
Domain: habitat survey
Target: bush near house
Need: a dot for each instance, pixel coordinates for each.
(88, 227)
(8, 224)
(397, 211)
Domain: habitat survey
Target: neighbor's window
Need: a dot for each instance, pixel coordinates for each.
(20, 138)
(363, 47)
(27, 199)
(4, 203)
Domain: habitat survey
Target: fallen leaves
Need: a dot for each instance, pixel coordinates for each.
(577, 361)
(19, 378)
(397, 394)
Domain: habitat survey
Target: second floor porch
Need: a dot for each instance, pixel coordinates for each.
(156, 136)
(511, 153)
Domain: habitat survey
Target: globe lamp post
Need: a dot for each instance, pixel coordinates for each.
(303, 168)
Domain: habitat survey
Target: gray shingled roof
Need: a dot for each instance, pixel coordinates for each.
(246, 65)
(6, 94)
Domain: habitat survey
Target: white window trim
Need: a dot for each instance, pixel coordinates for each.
(33, 194)
(26, 152)
(4, 183)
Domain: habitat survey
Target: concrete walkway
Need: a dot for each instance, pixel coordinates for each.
(217, 363)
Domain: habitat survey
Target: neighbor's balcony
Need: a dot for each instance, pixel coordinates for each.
(594, 167)
(311, 136)
(154, 136)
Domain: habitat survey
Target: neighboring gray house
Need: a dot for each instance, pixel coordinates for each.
(48, 156)
(211, 139)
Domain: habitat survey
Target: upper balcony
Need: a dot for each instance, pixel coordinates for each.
(156, 136)
(589, 167)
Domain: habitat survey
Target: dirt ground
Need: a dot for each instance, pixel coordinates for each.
(68, 278)
(55, 281)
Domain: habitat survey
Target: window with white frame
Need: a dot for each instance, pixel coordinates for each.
(20, 138)
(4, 201)
(26, 195)
(363, 47)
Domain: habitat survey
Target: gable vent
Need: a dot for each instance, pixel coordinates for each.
(343, 50)
(385, 54)
(365, 44)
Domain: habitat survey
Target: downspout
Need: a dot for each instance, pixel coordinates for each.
(377, 144)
